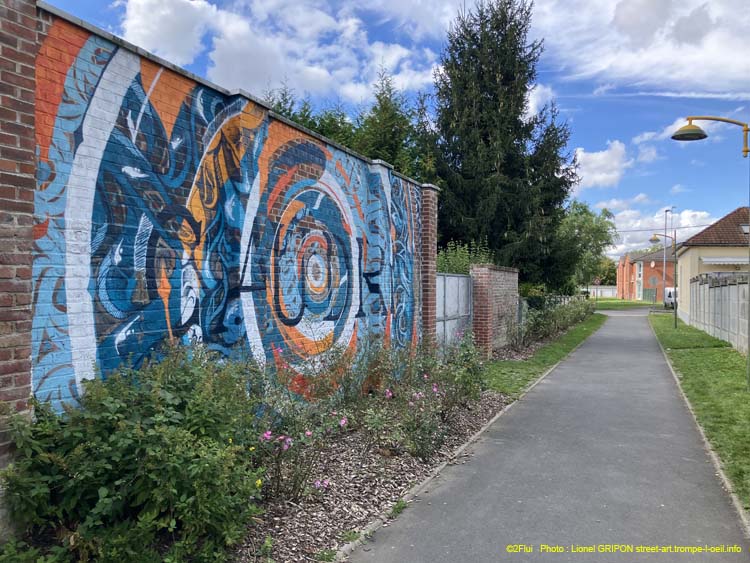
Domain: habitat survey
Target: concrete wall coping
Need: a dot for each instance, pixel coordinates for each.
(62, 14)
(494, 268)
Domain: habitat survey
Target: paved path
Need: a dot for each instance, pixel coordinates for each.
(602, 451)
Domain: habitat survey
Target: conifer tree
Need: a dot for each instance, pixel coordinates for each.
(505, 174)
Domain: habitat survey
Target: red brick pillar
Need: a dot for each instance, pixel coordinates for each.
(482, 317)
(429, 262)
(18, 48)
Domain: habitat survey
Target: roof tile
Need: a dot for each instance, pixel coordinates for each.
(727, 231)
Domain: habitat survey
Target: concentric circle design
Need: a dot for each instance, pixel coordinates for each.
(306, 296)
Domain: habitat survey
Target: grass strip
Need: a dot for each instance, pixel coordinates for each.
(712, 375)
(619, 304)
(512, 377)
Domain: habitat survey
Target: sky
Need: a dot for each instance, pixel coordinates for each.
(623, 73)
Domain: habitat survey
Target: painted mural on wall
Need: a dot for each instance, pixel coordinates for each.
(169, 212)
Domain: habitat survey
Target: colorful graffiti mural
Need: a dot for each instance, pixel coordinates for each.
(169, 212)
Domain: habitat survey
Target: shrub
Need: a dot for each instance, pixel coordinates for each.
(549, 319)
(458, 257)
(153, 466)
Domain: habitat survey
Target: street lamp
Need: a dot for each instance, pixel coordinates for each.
(692, 132)
(653, 240)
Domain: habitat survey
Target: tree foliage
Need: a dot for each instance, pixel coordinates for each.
(585, 236)
(505, 174)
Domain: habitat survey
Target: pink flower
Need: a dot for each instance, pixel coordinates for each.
(435, 388)
(287, 444)
(317, 484)
(388, 394)
(266, 436)
(281, 437)
(308, 433)
(343, 422)
(325, 483)
(425, 376)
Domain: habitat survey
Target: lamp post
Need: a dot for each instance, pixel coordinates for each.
(655, 239)
(692, 132)
(664, 263)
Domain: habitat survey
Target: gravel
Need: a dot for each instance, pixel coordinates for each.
(363, 484)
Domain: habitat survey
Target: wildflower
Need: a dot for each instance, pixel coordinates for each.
(258, 483)
(343, 422)
(308, 433)
(425, 376)
(287, 444)
(317, 484)
(325, 483)
(388, 394)
(435, 388)
(251, 449)
(230, 440)
(280, 438)
(266, 436)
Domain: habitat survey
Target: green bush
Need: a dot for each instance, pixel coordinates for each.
(410, 410)
(155, 465)
(458, 257)
(549, 319)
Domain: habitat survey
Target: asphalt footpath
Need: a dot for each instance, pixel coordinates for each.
(600, 462)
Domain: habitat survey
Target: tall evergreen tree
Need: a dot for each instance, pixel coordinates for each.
(385, 129)
(506, 174)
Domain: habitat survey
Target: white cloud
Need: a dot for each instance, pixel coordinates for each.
(603, 168)
(320, 48)
(603, 89)
(181, 39)
(647, 153)
(615, 204)
(678, 189)
(644, 225)
(537, 97)
(664, 45)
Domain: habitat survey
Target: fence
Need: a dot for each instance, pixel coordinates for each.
(454, 307)
(718, 306)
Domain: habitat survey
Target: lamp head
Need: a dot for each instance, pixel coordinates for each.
(689, 132)
(654, 239)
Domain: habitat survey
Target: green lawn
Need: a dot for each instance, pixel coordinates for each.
(512, 377)
(616, 304)
(713, 377)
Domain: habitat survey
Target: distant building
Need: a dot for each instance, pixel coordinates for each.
(720, 248)
(639, 275)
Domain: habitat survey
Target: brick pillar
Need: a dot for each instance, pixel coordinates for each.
(482, 324)
(429, 262)
(18, 48)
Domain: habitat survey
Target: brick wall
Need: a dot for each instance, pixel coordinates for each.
(18, 48)
(429, 261)
(142, 205)
(495, 305)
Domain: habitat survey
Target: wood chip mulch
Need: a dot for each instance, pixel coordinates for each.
(362, 484)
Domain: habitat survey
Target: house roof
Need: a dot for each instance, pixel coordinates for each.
(727, 231)
(656, 256)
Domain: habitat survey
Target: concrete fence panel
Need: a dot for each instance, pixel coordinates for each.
(719, 305)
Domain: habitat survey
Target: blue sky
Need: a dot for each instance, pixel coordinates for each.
(623, 73)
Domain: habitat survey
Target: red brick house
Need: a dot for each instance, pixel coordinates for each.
(639, 275)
